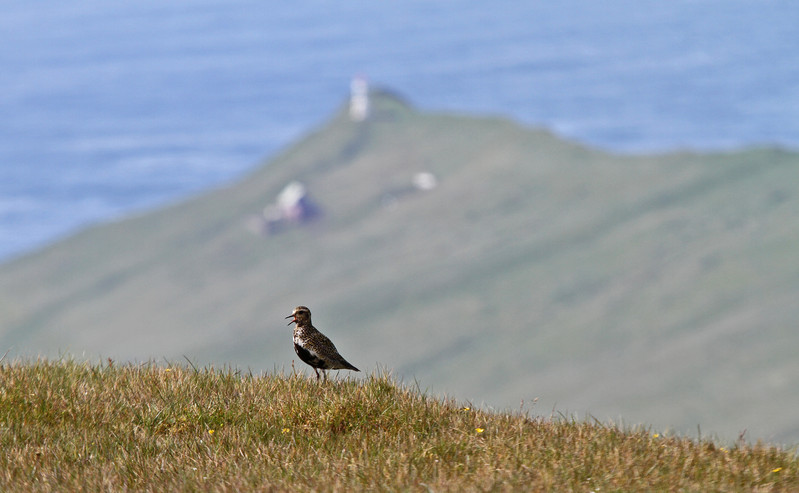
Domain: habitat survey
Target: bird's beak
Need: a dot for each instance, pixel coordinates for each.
(293, 321)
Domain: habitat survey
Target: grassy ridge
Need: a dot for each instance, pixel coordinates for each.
(80, 427)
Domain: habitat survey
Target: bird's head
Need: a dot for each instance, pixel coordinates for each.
(300, 316)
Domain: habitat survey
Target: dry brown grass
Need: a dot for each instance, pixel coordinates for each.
(79, 427)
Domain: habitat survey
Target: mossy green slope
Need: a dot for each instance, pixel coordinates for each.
(656, 289)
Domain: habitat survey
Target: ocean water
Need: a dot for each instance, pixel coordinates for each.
(109, 108)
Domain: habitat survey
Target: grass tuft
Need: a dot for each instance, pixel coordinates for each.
(66, 425)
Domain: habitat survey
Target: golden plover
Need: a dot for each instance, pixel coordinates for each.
(313, 347)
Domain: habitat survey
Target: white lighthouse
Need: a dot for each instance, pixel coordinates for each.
(359, 99)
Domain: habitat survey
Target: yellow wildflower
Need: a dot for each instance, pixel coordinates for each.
(286, 430)
(777, 469)
(479, 430)
(210, 432)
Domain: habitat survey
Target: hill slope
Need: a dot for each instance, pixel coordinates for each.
(77, 427)
(659, 289)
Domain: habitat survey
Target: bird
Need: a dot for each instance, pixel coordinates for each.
(313, 347)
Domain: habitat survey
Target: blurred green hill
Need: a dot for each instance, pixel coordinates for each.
(654, 289)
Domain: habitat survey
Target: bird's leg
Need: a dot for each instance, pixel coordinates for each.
(317, 374)
(325, 374)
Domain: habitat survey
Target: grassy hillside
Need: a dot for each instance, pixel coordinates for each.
(78, 427)
(653, 289)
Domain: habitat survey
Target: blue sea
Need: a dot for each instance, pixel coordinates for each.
(112, 108)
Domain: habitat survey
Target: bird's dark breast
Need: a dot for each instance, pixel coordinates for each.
(309, 358)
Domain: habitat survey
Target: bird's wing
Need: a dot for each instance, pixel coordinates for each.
(326, 346)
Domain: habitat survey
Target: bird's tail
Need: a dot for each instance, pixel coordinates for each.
(348, 366)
